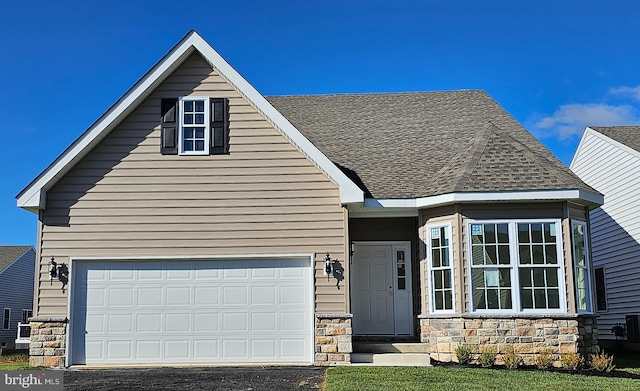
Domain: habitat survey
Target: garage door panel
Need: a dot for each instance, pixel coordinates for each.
(194, 311)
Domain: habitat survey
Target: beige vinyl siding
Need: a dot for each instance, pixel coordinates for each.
(125, 199)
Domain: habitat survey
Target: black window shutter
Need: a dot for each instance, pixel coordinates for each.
(219, 126)
(169, 126)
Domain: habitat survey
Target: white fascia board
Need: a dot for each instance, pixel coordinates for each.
(349, 191)
(377, 206)
(33, 196)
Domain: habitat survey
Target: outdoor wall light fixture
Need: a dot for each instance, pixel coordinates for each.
(59, 272)
(328, 266)
(333, 268)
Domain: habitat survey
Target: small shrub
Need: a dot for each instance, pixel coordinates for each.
(602, 362)
(463, 353)
(511, 359)
(487, 357)
(544, 360)
(572, 361)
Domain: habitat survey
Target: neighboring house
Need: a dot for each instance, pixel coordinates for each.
(608, 159)
(17, 265)
(195, 217)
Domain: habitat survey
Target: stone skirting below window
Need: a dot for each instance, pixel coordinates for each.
(528, 335)
(48, 341)
(333, 334)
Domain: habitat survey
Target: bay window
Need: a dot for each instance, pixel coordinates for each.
(440, 267)
(516, 266)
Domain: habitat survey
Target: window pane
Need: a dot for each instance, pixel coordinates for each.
(199, 145)
(447, 278)
(491, 257)
(537, 251)
(188, 105)
(477, 255)
(439, 300)
(188, 119)
(445, 256)
(478, 299)
(188, 132)
(554, 298)
(199, 119)
(435, 242)
(525, 254)
(492, 299)
(538, 277)
(435, 253)
(489, 233)
(448, 300)
(525, 277)
(503, 233)
(402, 283)
(523, 233)
(199, 105)
(551, 253)
(536, 233)
(552, 277)
(188, 145)
(477, 275)
(503, 255)
(437, 279)
(199, 132)
(476, 233)
(549, 232)
(505, 278)
(444, 234)
(527, 298)
(505, 299)
(539, 298)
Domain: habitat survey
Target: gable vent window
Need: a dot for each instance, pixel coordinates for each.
(194, 125)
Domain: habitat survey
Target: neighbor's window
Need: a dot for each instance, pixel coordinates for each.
(601, 292)
(194, 126)
(581, 265)
(6, 319)
(440, 265)
(516, 266)
(26, 314)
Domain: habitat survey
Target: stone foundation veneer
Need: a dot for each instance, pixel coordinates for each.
(528, 335)
(48, 341)
(333, 334)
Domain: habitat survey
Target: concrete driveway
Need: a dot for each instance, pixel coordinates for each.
(217, 378)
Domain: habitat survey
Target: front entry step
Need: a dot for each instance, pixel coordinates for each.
(399, 354)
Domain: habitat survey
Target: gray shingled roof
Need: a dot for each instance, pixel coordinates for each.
(627, 135)
(409, 145)
(8, 254)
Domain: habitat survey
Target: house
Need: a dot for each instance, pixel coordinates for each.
(608, 159)
(17, 265)
(201, 222)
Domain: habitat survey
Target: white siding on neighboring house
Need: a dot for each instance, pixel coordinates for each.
(16, 292)
(614, 170)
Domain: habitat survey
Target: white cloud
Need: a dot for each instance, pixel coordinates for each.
(624, 91)
(570, 120)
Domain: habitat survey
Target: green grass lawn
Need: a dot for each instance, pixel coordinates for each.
(459, 378)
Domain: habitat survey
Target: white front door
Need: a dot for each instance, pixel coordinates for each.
(381, 289)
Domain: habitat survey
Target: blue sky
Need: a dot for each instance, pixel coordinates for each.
(556, 66)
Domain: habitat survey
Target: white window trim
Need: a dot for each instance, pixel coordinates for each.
(449, 229)
(6, 319)
(206, 125)
(514, 266)
(587, 267)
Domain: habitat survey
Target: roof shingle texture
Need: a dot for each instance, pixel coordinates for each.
(8, 254)
(627, 135)
(409, 145)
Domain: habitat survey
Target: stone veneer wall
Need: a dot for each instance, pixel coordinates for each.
(48, 341)
(333, 339)
(528, 335)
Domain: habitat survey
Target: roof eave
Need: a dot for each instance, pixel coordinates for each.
(577, 196)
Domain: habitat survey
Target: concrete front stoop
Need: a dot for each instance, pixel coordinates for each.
(398, 354)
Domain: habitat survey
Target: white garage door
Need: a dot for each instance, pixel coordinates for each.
(163, 312)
